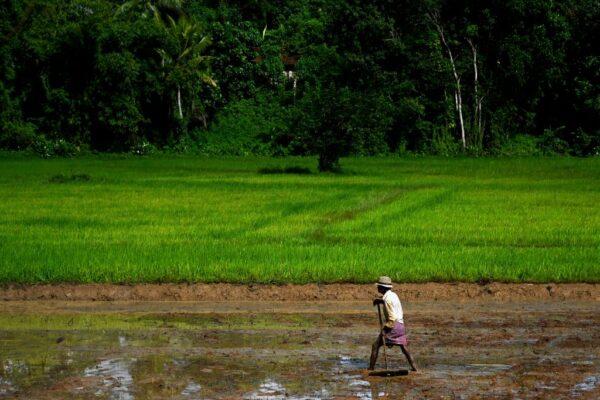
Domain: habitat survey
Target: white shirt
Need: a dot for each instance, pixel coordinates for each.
(393, 309)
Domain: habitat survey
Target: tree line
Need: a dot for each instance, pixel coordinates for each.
(326, 77)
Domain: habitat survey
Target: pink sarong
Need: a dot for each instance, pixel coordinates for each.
(395, 335)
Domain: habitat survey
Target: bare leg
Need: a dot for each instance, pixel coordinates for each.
(375, 352)
(408, 357)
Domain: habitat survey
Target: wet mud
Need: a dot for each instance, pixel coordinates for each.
(295, 350)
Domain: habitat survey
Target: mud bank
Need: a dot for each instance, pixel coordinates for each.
(505, 292)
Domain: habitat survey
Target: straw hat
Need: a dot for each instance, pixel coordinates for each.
(384, 281)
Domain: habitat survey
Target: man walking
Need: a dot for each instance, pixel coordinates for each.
(393, 329)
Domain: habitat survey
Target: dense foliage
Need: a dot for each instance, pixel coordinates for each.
(328, 77)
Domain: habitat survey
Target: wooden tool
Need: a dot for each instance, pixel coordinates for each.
(382, 335)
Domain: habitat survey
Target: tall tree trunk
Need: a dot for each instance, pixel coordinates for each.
(434, 18)
(478, 99)
(179, 102)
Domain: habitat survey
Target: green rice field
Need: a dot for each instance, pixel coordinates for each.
(190, 219)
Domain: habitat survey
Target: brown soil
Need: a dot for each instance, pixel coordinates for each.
(504, 292)
(229, 350)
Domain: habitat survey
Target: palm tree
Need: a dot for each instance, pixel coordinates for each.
(182, 60)
(184, 64)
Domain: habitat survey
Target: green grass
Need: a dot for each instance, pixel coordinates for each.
(185, 219)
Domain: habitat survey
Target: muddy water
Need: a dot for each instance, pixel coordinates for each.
(145, 350)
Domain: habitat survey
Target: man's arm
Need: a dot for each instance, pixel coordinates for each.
(378, 301)
(389, 324)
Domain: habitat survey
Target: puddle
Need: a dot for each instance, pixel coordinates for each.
(6, 387)
(589, 384)
(269, 389)
(192, 389)
(116, 378)
(544, 387)
(348, 363)
(294, 355)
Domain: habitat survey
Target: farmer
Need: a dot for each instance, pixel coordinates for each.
(393, 329)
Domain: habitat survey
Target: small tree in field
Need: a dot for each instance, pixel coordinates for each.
(324, 123)
(337, 121)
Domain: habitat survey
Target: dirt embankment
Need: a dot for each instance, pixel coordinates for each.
(327, 292)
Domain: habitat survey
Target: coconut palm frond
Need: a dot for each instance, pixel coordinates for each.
(172, 23)
(208, 79)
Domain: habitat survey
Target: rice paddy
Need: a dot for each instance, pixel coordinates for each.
(262, 220)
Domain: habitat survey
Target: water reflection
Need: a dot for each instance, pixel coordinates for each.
(116, 378)
(144, 365)
(589, 384)
(191, 390)
(270, 390)
(6, 387)
(191, 357)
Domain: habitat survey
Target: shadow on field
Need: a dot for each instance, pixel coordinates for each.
(61, 178)
(294, 170)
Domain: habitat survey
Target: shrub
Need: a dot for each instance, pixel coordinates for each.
(62, 148)
(187, 143)
(551, 143)
(250, 126)
(18, 135)
(42, 147)
(521, 145)
(585, 143)
(439, 139)
(143, 147)
(442, 142)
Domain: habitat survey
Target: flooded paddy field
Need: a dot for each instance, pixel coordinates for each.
(295, 350)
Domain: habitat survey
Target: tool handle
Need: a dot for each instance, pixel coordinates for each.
(380, 320)
(382, 335)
